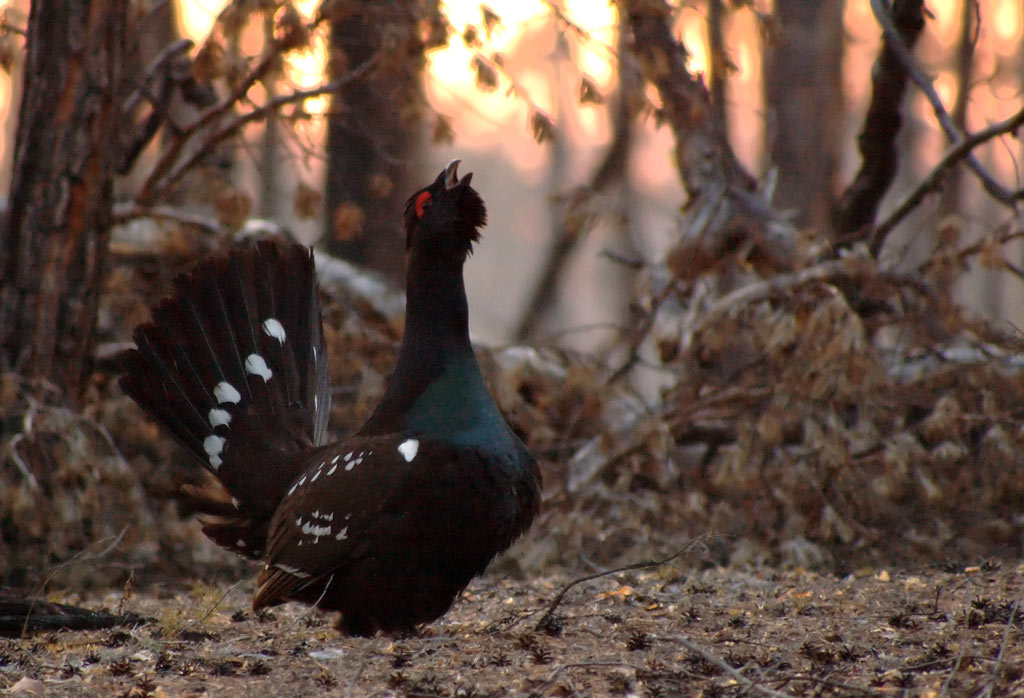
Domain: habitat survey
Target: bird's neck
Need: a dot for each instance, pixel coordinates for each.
(436, 311)
(436, 385)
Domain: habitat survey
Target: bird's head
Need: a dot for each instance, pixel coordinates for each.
(445, 216)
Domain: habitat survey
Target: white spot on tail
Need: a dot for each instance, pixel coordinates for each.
(342, 534)
(349, 465)
(225, 392)
(213, 445)
(274, 328)
(331, 471)
(219, 417)
(257, 366)
(239, 543)
(408, 449)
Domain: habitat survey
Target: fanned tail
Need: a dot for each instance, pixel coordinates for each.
(234, 366)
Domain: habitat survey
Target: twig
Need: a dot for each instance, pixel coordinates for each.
(553, 676)
(209, 612)
(315, 605)
(546, 618)
(729, 669)
(129, 211)
(159, 100)
(152, 186)
(158, 190)
(355, 679)
(7, 27)
(992, 186)
(641, 332)
(11, 451)
(1002, 648)
(569, 234)
(930, 183)
(80, 556)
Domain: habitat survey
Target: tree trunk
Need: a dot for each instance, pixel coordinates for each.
(371, 136)
(805, 98)
(53, 248)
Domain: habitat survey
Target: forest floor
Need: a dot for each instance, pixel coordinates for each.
(663, 631)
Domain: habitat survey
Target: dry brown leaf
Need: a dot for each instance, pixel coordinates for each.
(347, 222)
(307, 201)
(486, 76)
(208, 64)
(380, 186)
(233, 208)
(443, 133)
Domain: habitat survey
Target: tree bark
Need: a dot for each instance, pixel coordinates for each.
(371, 135)
(53, 248)
(725, 215)
(805, 98)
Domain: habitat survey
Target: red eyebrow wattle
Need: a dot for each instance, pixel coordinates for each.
(422, 199)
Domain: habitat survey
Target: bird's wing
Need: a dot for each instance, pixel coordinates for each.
(328, 513)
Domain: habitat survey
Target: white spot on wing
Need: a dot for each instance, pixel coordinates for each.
(219, 417)
(331, 471)
(239, 543)
(408, 449)
(294, 571)
(273, 327)
(257, 366)
(311, 529)
(225, 392)
(342, 534)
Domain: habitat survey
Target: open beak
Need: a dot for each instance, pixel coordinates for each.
(451, 175)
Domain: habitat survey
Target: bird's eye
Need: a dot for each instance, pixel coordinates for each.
(423, 203)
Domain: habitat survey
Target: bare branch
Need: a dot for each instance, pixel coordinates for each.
(858, 205)
(736, 674)
(125, 213)
(170, 174)
(892, 36)
(156, 182)
(550, 612)
(955, 154)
